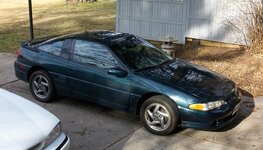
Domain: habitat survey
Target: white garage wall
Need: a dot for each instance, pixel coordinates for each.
(215, 20)
(152, 19)
(201, 19)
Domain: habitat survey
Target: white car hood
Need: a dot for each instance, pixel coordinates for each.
(23, 124)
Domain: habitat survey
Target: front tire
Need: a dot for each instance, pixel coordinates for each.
(159, 115)
(41, 86)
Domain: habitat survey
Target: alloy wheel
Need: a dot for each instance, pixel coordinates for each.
(41, 86)
(157, 117)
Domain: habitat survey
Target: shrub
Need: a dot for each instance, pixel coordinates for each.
(255, 26)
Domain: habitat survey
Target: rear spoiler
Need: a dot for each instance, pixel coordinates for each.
(37, 41)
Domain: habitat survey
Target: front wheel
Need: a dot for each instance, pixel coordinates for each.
(41, 86)
(159, 115)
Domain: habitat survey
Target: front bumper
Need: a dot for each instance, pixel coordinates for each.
(211, 120)
(61, 143)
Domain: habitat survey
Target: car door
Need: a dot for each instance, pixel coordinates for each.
(54, 57)
(88, 70)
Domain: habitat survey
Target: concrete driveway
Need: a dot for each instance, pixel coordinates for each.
(94, 127)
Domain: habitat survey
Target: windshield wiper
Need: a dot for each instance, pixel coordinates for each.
(154, 66)
(146, 68)
(165, 62)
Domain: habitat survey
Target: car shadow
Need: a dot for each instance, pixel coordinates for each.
(80, 103)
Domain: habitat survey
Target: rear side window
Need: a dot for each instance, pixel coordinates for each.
(93, 54)
(54, 48)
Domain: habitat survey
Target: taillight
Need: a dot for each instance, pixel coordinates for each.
(18, 53)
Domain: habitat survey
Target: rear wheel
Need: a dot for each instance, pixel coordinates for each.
(41, 86)
(160, 115)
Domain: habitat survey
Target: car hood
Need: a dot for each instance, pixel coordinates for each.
(192, 79)
(23, 124)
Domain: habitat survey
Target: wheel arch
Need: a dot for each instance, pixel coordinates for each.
(32, 70)
(147, 96)
(143, 99)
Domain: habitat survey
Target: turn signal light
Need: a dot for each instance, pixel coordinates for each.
(18, 53)
(197, 106)
(207, 106)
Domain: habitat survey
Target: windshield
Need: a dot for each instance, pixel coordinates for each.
(137, 53)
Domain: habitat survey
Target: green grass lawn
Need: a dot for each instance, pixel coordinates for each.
(53, 18)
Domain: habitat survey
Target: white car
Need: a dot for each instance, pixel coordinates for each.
(25, 125)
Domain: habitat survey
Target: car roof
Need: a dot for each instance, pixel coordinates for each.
(103, 37)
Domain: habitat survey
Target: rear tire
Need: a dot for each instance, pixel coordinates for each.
(159, 115)
(41, 86)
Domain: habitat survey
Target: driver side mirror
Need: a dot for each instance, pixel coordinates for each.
(118, 72)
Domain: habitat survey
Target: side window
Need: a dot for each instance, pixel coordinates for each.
(93, 54)
(54, 48)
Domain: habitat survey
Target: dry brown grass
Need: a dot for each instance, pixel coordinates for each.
(241, 66)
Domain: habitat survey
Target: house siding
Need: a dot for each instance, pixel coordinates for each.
(156, 19)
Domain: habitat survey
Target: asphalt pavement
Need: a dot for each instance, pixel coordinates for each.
(91, 126)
